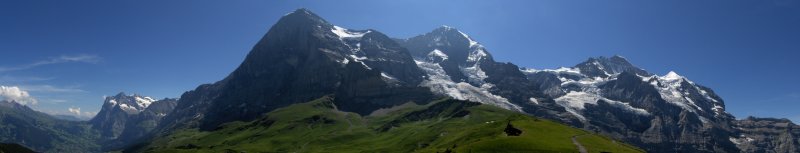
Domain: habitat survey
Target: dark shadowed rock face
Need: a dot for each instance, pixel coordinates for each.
(14, 148)
(767, 135)
(190, 107)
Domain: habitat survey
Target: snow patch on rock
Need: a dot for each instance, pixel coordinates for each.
(533, 100)
(575, 102)
(345, 33)
(438, 53)
(439, 82)
(144, 102)
(669, 87)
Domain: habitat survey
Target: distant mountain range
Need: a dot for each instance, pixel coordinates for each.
(38, 131)
(309, 84)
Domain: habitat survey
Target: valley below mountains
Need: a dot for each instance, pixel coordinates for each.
(311, 86)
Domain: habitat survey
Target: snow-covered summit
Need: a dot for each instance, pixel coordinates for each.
(131, 104)
(454, 65)
(672, 75)
(590, 78)
(608, 66)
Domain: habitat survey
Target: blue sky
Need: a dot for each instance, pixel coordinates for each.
(69, 54)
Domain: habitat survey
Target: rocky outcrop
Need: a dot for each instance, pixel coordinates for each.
(762, 135)
(510, 130)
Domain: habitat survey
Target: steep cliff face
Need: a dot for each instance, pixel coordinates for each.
(767, 135)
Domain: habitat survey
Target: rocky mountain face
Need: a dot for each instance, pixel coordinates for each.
(22, 125)
(605, 94)
(124, 118)
(767, 135)
(303, 57)
(608, 95)
(660, 113)
(460, 67)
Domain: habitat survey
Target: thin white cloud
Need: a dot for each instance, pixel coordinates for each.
(76, 110)
(16, 94)
(7, 78)
(54, 100)
(51, 89)
(71, 111)
(54, 60)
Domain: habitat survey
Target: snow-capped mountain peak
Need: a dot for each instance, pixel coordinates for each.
(454, 64)
(589, 79)
(607, 66)
(304, 14)
(472, 43)
(131, 104)
(672, 75)
(300, 10)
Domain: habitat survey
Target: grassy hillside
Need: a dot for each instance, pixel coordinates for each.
(44, 133)
(446, 125)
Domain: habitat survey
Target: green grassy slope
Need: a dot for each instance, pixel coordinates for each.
(446, 125)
